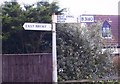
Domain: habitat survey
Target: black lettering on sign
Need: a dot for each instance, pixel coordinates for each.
(69, 16)
(37, 25)
(42, 26)
(29, 26)
(60, 18)
(87, 18)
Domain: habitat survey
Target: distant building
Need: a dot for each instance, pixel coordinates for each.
(111, 29)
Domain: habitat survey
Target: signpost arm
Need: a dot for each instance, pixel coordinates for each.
(54, 52)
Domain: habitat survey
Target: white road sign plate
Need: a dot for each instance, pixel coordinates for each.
(86, 18)
(37, 26)
(66, 19)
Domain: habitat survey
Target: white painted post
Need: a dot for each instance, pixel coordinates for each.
(54, 52)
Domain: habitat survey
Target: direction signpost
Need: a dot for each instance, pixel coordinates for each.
(47, 27)
(52, 28)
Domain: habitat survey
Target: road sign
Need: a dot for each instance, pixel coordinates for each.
(85, 18)
(37, 26)
(66, 19)
(47, 27)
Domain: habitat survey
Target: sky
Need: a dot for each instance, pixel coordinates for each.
(78, 7)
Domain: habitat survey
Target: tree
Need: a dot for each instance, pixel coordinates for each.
(80, 53)
(15, 38)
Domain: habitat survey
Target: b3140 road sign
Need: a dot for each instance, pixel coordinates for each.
(85, 18)
(37, 26)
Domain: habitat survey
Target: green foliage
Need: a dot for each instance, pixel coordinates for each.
(79, 53)
(15, 38)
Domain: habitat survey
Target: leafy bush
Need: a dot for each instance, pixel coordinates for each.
(80, 53)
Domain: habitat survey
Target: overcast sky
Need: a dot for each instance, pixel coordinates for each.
(77, 7)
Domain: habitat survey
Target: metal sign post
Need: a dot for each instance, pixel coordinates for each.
(54, 52)
(47, 27)
(58, 19)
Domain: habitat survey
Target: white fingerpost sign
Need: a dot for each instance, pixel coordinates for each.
(66, 19)
(52, 28)
(37, 26)
(85, 18)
